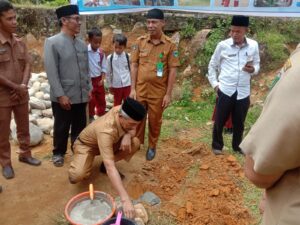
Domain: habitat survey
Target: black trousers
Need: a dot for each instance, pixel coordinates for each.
(238, 109)
(63, 120)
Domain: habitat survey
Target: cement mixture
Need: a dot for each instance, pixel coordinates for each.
(89, 212)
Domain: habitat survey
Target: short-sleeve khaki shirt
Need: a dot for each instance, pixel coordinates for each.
(147, 55)
(103, 133)
(13, 59)
(274, 145)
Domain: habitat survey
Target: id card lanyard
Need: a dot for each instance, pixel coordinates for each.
(160, 66)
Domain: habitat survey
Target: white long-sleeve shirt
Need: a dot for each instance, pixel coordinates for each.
(119, 75)
(226, 67)
(95, 69)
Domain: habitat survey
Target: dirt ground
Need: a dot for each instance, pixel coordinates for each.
(195, 186)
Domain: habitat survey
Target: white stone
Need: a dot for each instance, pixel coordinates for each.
(31, 91)
(46, 97)
(36, 86)
(36, 103)
(36, 134)
(34, 77)
(109, 105)
(109, 98)
(45, 87)
(51, 133)
(36, 113)
(46, 124)
(43, 74)
(39, 95)
(47, 113)
(47, 104)
(32, 119)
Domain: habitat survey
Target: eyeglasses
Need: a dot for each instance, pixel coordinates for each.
(76, 18)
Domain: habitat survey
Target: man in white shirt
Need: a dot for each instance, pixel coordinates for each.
(230, 69)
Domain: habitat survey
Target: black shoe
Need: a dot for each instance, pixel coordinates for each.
(58, 160)
(8, 172)
(30, 160)
(150, 154)
(102, 169)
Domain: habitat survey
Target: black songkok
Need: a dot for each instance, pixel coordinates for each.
(134, 109)
(240, 21)
(67, 10)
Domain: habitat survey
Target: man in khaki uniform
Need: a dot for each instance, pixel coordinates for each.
(113, 137)
(154, 59)
(14, 76)
(272, 148)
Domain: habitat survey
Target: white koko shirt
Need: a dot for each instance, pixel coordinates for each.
(226, 67)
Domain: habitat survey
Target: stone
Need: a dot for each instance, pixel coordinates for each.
(36, 103)
(214, 193)
(39, 95)
(231, 158)
(47, 113)
(140, 212)
(43, 74)
(47, 104)
(46, 124)
(36, 134)
(204, 167)
(187, 71)
(36, 85)
(176, 38)
(31, 91)
(139, 221)
(46, 97)
(34, 77)
(199, 40)
(32, 119)
(36, 113)
(109, 105)
(109, 98)
(45, 87)
(150, 198)
(51, 133)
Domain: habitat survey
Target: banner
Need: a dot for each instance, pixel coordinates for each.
(272, 8)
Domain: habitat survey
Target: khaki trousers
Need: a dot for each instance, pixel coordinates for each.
(22, 122)
(81, 165)
(155, 112)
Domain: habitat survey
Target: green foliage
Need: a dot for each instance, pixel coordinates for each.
(186, 93)
(217, 34)
(41, 2)
(276, 51)
(188, 31)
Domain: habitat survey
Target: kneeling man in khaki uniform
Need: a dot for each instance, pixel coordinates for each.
(113, 137)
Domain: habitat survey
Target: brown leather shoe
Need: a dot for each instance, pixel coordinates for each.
(30, 160)
(8, 172)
